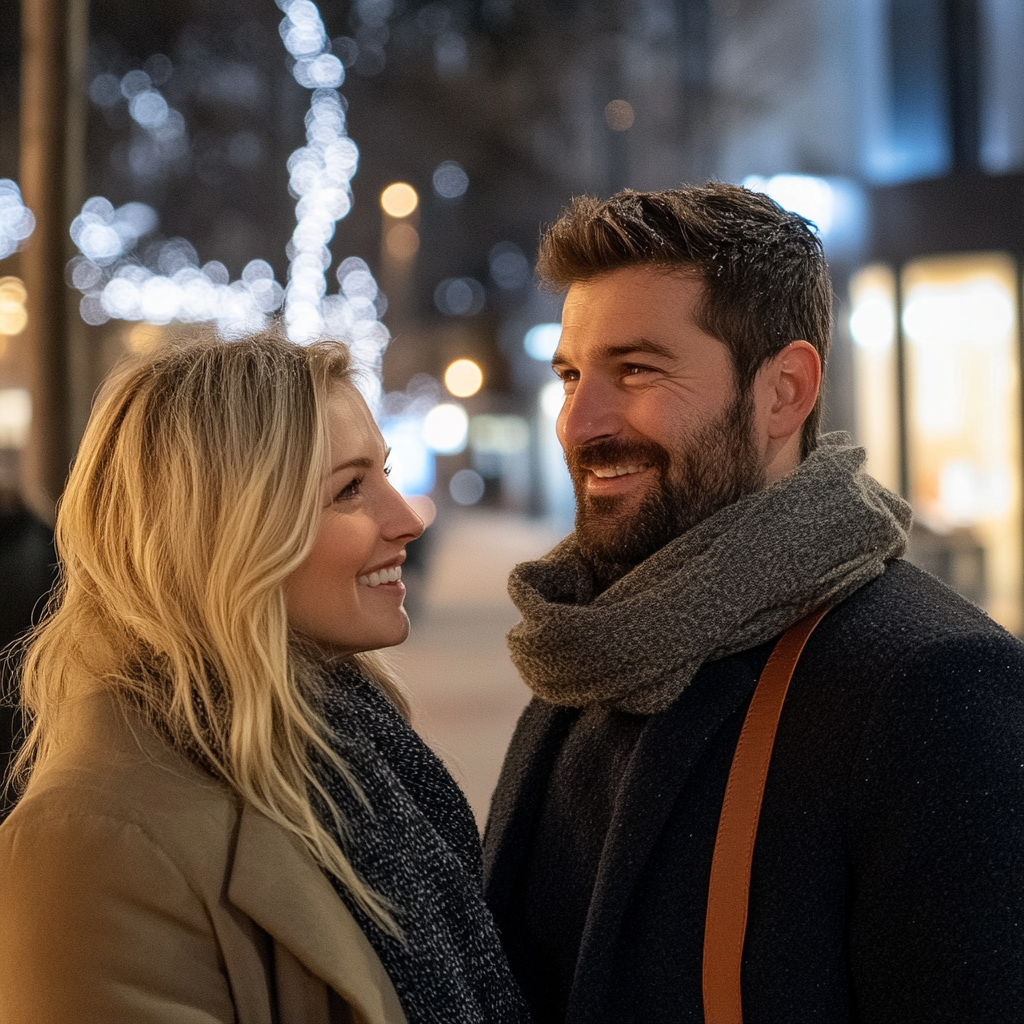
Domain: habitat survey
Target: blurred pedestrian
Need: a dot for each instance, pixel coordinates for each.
(887, 875)
(228, 816)
(28, 567)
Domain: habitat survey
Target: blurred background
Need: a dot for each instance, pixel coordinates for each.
(379, 171)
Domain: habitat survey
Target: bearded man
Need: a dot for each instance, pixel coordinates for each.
(887, 881)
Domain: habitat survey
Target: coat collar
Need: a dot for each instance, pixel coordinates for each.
(539, 735)
(270, 878)
(665, 755)
(277, 884)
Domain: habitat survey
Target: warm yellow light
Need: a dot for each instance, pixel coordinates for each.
(401, 241)
(619, 115)
(13, 315)
(463, 378)
(399, 200)
(13, 288)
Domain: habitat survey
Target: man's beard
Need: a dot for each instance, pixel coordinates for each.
(718, 465)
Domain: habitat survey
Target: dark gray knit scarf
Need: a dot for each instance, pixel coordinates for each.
(732, 582)
(419, 847)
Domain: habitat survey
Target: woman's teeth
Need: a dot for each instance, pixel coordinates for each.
(375, 579)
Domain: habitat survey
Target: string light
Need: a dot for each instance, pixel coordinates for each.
(320, 179)
(115, 285)
(16, 220)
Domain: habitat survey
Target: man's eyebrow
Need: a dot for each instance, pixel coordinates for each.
(641, 345)
(645, 345)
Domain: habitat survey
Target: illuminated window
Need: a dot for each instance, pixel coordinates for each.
(963, 417)
(873, 330)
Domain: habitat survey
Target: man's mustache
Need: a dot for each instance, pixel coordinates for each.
(615, 452)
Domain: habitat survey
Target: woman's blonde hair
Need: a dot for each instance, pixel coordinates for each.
(197, 489)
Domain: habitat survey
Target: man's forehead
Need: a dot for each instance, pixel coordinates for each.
(631, 310)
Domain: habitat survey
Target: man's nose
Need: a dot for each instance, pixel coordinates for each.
(590, 412)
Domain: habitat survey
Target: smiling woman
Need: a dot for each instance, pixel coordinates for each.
(347, 594)
(227, 815)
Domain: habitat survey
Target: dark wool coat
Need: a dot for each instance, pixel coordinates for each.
(888, 874)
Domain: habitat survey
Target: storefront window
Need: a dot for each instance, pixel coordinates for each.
(964, 425)
(873, 329)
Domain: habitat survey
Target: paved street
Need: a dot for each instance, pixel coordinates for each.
(466, 695)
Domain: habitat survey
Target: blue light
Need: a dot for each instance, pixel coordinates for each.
(835, 206)
(412, 463)
(541, 341)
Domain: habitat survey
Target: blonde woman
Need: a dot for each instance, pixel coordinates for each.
(227, 815)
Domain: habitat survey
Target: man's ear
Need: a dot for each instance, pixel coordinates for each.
(788, 386)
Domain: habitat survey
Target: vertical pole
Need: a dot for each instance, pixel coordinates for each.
(1018, 270)
(902, 424)
(53, 45)
(963, 82)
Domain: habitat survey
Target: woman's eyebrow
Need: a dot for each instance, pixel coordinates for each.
(362, 462)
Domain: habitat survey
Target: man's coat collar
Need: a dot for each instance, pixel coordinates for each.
(666, 752)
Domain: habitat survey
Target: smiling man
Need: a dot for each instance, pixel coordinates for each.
(888, 872)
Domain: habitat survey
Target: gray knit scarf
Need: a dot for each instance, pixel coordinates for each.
(734, 581)
(418, 846)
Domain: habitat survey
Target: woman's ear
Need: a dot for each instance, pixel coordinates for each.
(789, 385)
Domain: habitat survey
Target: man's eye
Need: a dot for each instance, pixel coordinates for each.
(387, 471)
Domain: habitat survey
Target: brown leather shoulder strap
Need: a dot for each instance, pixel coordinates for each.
(726, 923)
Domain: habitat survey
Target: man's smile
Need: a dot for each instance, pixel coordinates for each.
(616, 479)
(610, 471)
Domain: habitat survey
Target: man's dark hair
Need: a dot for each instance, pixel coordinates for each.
(763, 269)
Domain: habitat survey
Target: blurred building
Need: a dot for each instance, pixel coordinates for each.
(896, 125)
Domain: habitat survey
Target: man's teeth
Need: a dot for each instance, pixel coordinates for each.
(610, 471)
(375, 579)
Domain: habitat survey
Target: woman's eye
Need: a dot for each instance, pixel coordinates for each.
(387, 471)
(349, 490)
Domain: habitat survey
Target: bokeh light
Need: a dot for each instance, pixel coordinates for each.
(872, 319)
(399, 200)
(450, 180)
(168, 283)
(552, 398)
(401, 241)
(445, 428)
(459, 296)
(15, 417)
(16, 220)
(619, 115)
(541, 341)
(466, 486)
(510, 269)
(463, 378)
(980, 309)
(13, 315)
